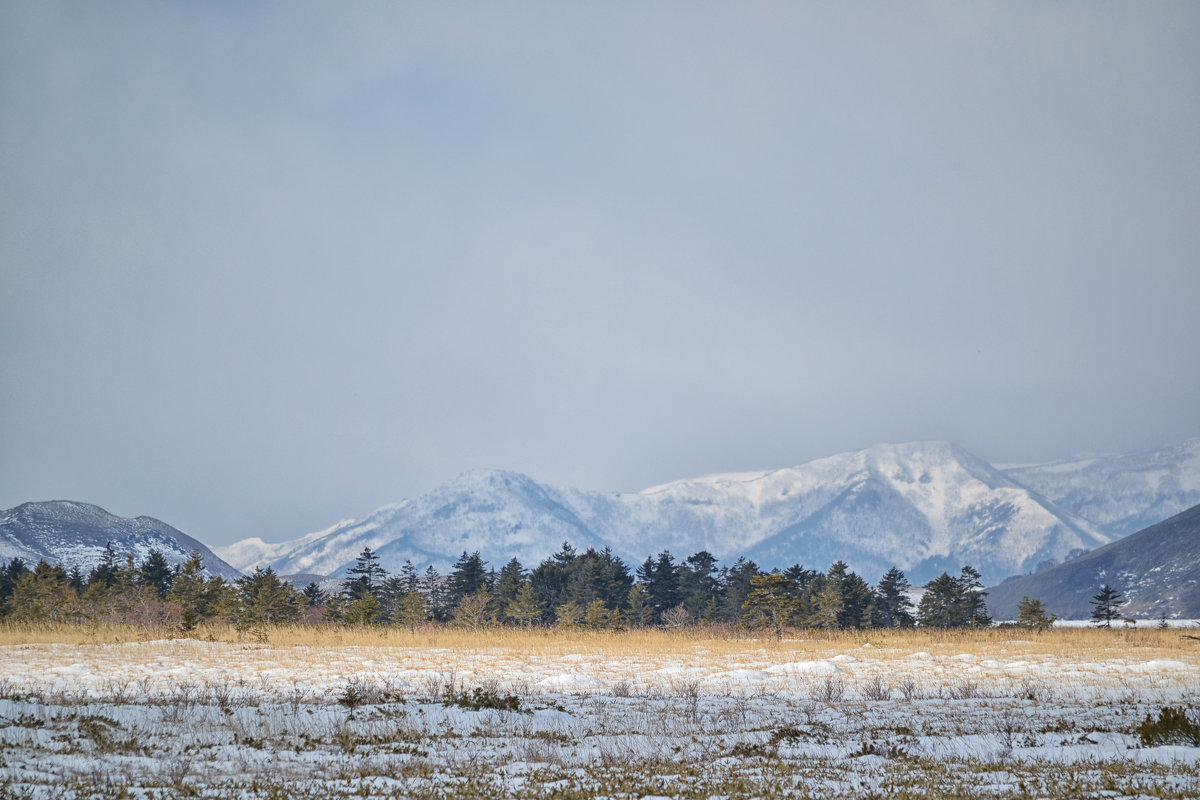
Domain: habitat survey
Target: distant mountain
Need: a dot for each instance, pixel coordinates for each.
(924, 507)
(1120, 493)
(75, 534)
(1156, 569)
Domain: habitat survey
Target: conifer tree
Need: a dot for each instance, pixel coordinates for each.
(155, 573)
(411, 611)
(1032, 614)
(523, 609)
(771, 601)
(368, 574)
(893, 609)
(1107, 605)
(363, 611)
(468, 576)
(264, 599)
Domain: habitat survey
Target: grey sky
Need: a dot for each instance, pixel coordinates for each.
(266, 267)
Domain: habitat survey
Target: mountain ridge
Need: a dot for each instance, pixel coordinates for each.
(74, 533)
(952, 507)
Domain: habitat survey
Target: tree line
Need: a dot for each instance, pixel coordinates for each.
(594, 589)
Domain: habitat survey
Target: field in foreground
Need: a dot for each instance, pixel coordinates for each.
(434, 713)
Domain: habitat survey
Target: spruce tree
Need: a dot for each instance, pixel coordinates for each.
(893, 609)
(1107, 606)
(469, 575)
(156, 573)
(367, 574)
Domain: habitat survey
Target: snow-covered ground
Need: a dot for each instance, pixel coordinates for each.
(171, 718)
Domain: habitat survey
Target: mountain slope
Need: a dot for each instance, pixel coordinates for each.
(1120, 493)
(75, 534)
(922, 506)
(1157, 570)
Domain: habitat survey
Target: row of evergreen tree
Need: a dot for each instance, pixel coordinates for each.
(593, 589)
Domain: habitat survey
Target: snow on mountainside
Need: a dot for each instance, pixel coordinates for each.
(923, 507)
(75, 534)
(1120, 493)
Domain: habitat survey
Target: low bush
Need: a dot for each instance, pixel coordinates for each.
(1171, 727)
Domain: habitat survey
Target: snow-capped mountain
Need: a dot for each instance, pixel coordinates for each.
(923, 506)
(75, 534)
(1120, 493)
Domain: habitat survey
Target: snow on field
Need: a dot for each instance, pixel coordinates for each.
(165, 718)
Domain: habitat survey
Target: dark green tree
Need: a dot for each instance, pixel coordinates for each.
(954, 602)
(9, 575)
(314, 595)
(699, 588)
(1032, 614)
(365, 575)
(893, 609)
(263, 599)
(155, 573)
(771, 601)
(735, 588)
(469, 575)
(1106, 606)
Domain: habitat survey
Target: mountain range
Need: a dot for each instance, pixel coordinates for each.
(76, 534)
(924, 507)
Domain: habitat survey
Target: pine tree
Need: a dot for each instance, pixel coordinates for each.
(508, 582)
(411, 611)
(596, 615)
(469, 575)
(363, 611)
(954, 602)
(699, 588)
(1032, 614)
(9, 576)
(970, 607)
(314, 595)
(735, 586)
(191, 592)
(569, 614)
(640, 612)
(1107, 606)
(893, 609)
(369, 573)
(408, 575)
(156, 573)
(436, 590)
(43, 595)
(937, 607)
(523, 609)
(264, 599)
(104, 575)
(771, 601)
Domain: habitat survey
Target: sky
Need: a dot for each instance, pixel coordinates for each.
(268, 266)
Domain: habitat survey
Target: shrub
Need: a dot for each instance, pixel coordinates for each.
(480, 698)
(1172, 727)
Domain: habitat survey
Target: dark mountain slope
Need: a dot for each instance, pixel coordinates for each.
(1156, 569)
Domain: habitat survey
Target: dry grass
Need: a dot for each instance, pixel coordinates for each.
(1078, 643)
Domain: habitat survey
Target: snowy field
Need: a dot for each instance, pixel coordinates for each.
(595, 718)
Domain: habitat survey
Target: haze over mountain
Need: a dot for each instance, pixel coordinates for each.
(1120, 493)
(76, 534)
(924, 506)
(1157, 570)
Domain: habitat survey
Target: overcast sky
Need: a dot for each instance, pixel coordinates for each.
(265, 267)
